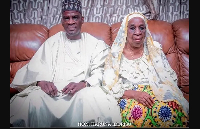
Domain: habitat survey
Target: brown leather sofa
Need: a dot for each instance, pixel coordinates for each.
(25, 39)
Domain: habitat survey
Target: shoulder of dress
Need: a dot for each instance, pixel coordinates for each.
(54, 38)
(88, 36)
(157, 44)
(92, 40)
(57, 34)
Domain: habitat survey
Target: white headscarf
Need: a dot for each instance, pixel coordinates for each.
(162, 78)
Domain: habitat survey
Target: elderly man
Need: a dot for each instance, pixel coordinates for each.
(64, 64)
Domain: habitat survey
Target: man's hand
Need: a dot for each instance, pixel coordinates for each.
(73, 87)
(48, 87)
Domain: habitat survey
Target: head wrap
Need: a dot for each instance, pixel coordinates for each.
(68, 5)
(162, 78)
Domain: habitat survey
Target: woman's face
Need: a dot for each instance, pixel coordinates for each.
(136, 32)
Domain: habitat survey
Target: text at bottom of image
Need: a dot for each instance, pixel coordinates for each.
(99, 124)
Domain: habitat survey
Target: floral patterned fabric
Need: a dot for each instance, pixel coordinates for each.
(161, 114)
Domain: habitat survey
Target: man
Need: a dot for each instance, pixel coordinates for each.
(64, 64)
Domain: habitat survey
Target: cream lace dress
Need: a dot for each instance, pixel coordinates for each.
(136, 71)
(134, 74)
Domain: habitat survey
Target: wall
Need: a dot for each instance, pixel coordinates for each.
(48, 12)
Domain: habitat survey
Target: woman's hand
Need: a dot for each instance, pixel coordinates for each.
(48, 87)
(173, 104)
(141, 97)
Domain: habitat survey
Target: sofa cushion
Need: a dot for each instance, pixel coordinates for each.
(25, 39)
(97, 29)
(181, 33)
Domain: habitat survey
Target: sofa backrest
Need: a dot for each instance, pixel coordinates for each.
(25, 39)
(99, 30)
(181, 34)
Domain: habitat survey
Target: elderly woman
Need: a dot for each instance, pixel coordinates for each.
(138, 74)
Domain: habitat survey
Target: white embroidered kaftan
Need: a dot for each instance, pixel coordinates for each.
(61, 61)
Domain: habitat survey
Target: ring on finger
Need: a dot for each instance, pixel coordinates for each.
(70, 91)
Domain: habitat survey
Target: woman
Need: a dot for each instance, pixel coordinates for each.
(139, 75)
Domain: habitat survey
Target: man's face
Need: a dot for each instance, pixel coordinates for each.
(72, 22)
(136, 32)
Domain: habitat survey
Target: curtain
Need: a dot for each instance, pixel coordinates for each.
(172, 10)
(48, 12)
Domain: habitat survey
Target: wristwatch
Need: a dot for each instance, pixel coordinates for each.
(86, 83)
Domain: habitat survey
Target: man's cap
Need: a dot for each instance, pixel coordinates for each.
(68, 5)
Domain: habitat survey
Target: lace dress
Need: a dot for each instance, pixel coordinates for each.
(136, 115)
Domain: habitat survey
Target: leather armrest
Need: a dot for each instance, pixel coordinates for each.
(13, 92)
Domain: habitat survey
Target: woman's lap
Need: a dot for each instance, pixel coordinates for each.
(160, 115)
